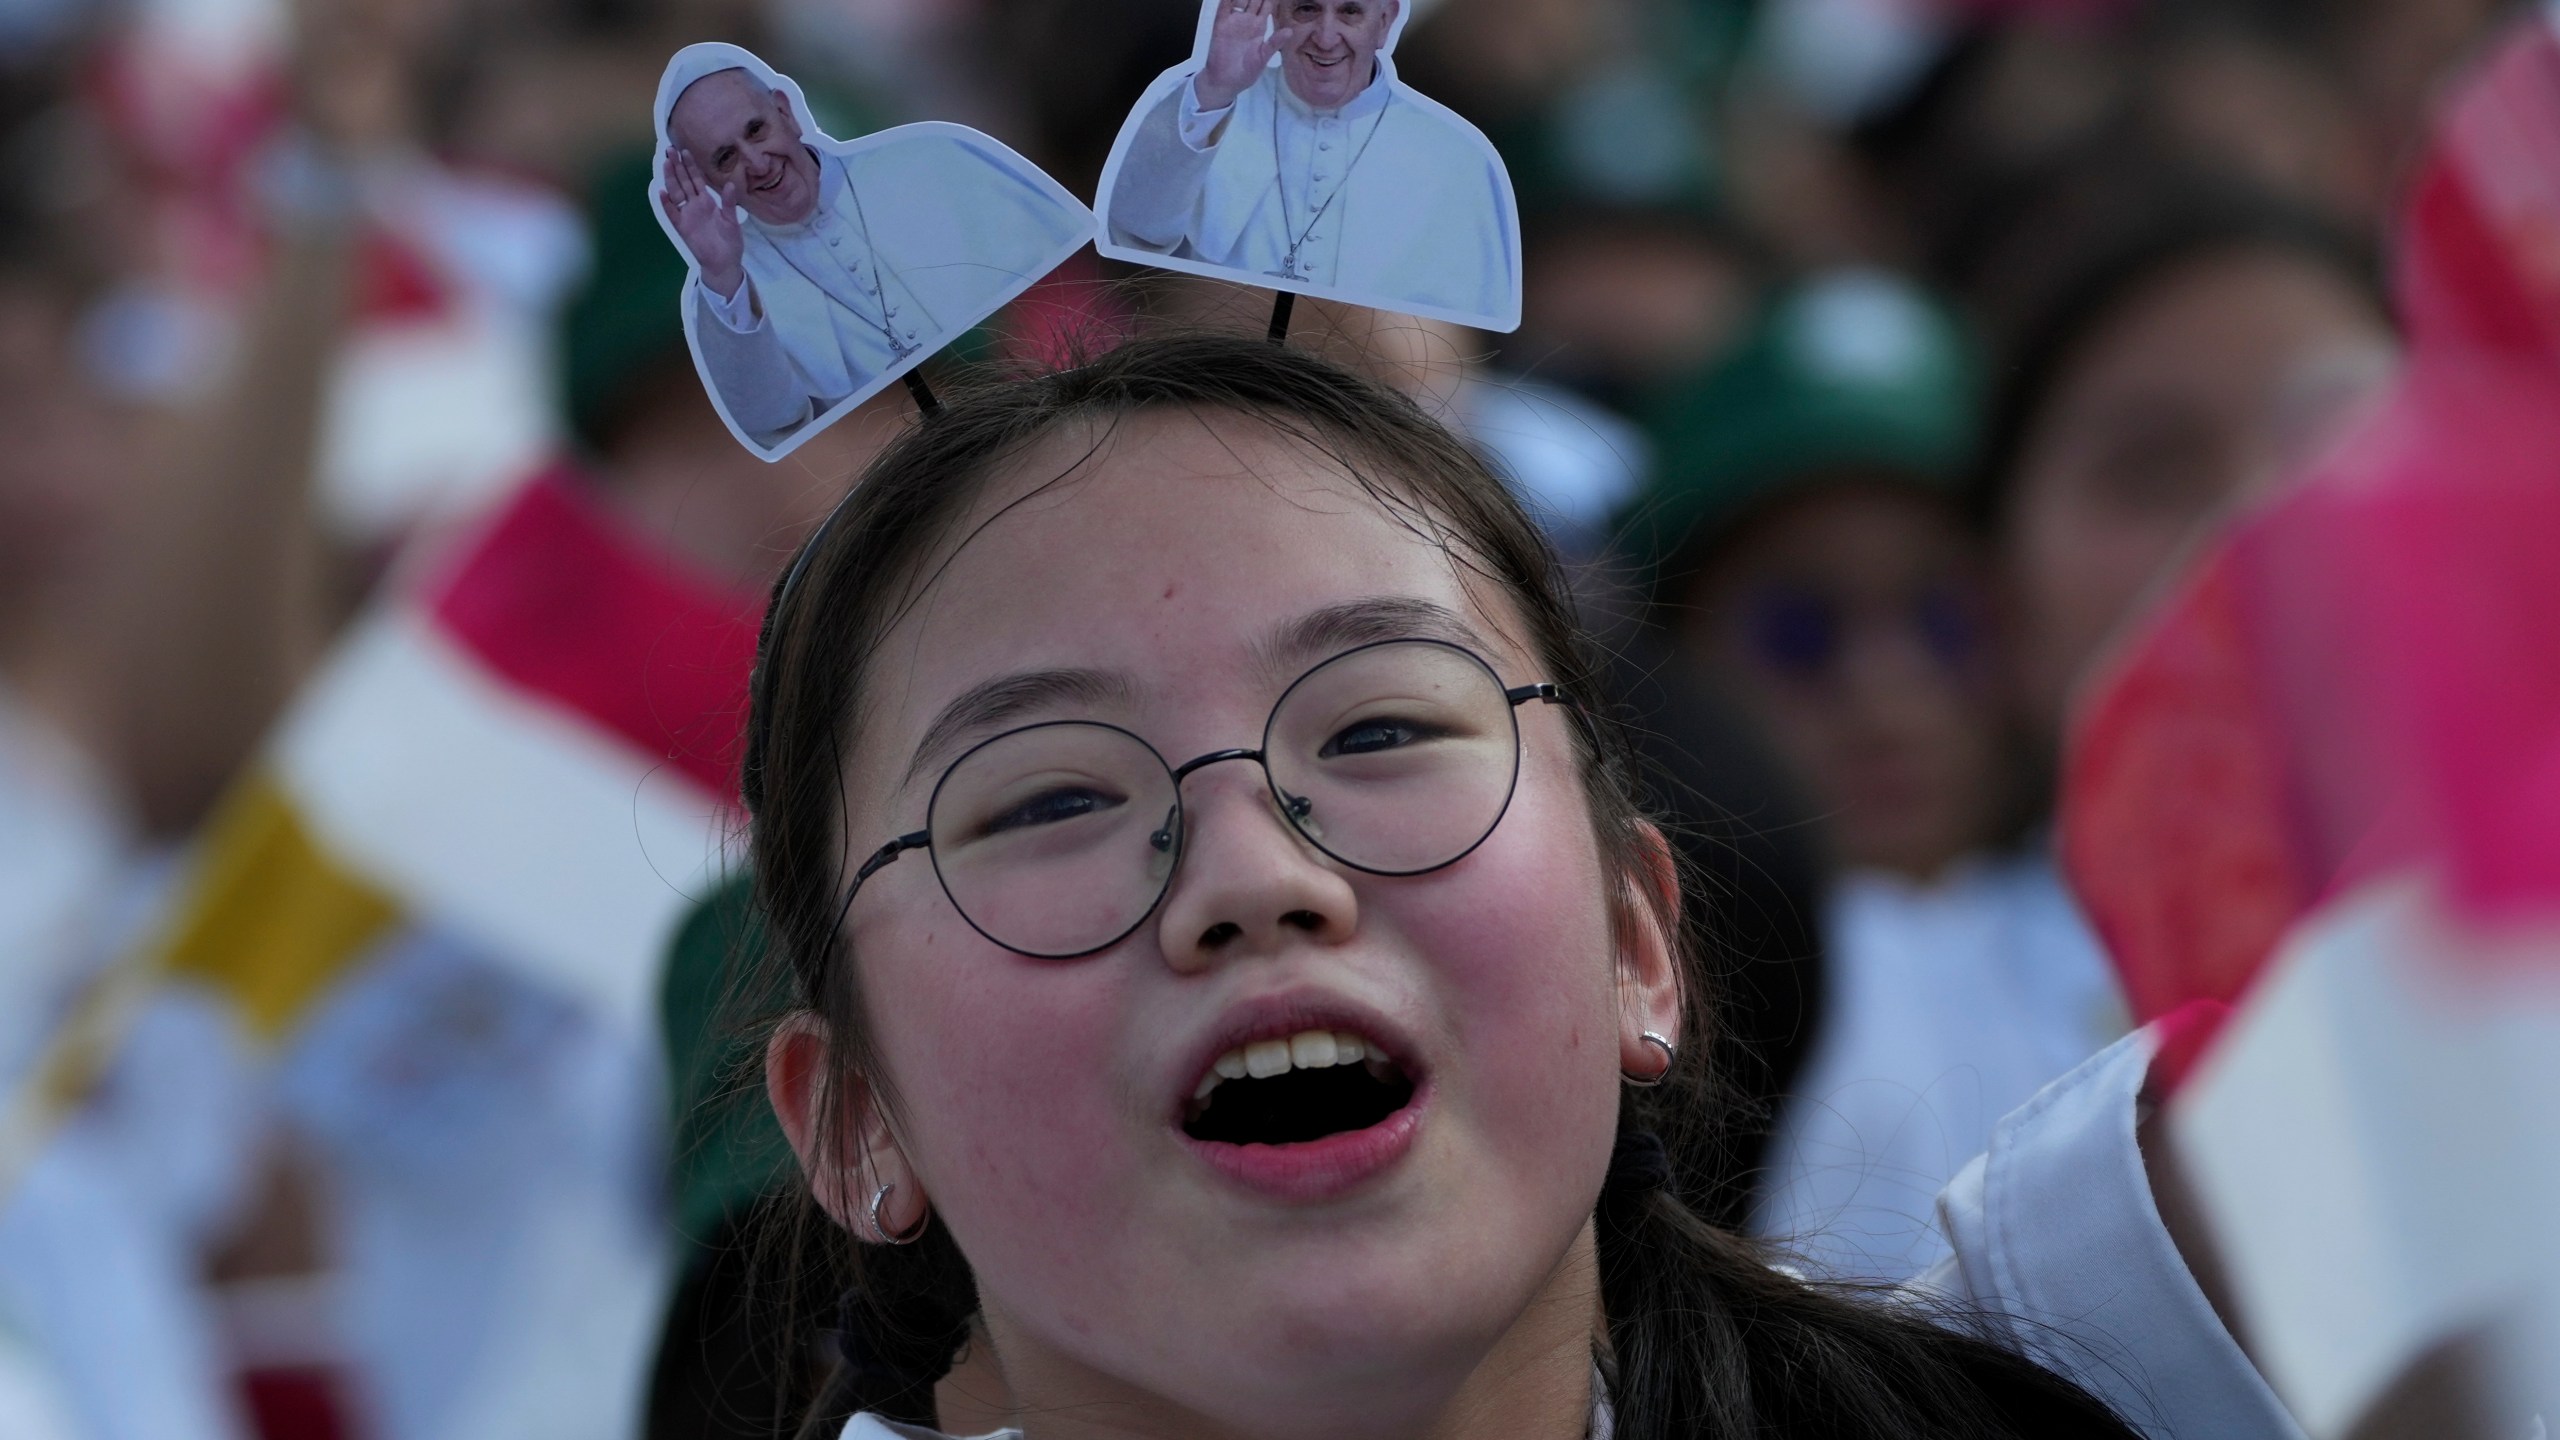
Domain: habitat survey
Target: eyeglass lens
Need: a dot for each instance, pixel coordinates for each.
(1058, 839)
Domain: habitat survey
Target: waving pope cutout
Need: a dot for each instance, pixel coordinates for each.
(824, 270)
(1287, 154)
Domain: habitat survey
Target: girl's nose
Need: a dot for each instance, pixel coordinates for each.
(1248, 885)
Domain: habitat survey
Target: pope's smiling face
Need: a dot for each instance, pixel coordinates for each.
(747, 142)
(1335, 54)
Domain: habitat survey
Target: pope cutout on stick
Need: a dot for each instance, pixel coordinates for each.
(1287, 154)
(823, 270)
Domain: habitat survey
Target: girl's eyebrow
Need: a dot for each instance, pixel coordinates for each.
(1293, 646)
(1006, 697)
(1321, 634)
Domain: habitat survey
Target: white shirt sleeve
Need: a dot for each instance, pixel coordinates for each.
(1154, 203)
(738, 311)
(751, 370)
(1196, 125)
(867, 1426)
(2056, 1239)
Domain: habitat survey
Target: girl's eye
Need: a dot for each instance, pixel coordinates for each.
(1368, 737)
(1049, 807)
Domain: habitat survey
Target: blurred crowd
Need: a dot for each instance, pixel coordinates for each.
(1880, 358)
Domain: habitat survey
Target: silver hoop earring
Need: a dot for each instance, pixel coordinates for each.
(881, 1233)
(1670, 1057)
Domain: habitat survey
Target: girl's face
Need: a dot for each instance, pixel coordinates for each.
(1136, 1277)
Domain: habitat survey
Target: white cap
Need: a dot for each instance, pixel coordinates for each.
(710, 58)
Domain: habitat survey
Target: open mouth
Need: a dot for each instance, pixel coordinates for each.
(1296, 1089)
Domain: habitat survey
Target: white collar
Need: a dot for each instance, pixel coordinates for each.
(1369, 101)
(1604, 1421)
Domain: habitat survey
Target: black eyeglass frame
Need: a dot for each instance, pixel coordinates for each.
(1292, 807)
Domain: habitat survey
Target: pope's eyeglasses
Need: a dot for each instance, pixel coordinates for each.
(1058, 839)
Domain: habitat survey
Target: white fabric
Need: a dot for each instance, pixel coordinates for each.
(2374, 1139)
(64, 848)
(1947, 1007)
(927, 232)
(101, 1240)
(693, 62)
(433, 414)
(31, 1403)
(1400, 204)
(100, 1213)
(737, 309)
(505, 817)
(1604, 1426)
(872, 1427)
(2054, 1234)
(1604, 1423)
(495, 1159)
(2056, 1240)
(1570, 463)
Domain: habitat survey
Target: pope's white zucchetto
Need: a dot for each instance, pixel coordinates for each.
(709, 58)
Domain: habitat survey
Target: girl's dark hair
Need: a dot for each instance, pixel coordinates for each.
(1705, 1337)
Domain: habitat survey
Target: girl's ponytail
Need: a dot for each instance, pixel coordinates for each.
(1709, 1340)
(895, 1335)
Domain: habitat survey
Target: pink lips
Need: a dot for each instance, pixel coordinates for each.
(1312, 1170)
(1317, 1170)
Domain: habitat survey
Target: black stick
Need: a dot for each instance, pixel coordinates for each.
(923, 393)
(1280, 308)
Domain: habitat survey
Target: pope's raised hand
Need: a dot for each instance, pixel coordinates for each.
(707, 219)
(1238, 51)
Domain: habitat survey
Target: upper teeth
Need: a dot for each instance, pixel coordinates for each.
(1306, 1050)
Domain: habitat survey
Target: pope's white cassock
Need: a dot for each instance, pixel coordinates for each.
(912, 242)
(1388, 200)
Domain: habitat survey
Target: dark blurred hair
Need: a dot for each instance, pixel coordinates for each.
(1073, 67)
(2017, 107)
(44, 246)
(1704, 1338)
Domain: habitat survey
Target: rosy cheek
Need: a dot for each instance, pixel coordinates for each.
(1520, 941)
(1006, 1066)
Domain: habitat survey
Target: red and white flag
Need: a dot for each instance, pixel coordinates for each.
(2324, 788)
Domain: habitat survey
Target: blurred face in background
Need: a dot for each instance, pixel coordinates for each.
(1851, 624)
(2213, 380)
(1335, 54)
(747, 142)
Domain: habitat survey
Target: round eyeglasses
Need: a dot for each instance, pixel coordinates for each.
(1059, 839)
